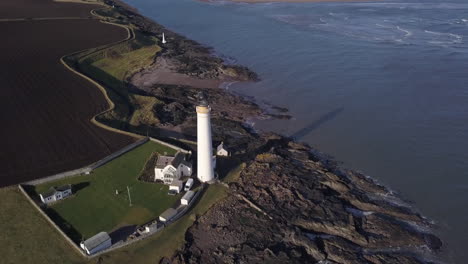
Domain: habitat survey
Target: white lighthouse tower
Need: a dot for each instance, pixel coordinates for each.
(163, 39)
(205, 171)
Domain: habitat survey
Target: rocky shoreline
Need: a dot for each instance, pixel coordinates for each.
(287, 203)
(290, 206)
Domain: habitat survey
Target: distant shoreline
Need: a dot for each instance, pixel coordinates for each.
(287, 1)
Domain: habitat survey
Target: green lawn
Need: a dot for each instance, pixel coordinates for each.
(96, 207)
(171, 238)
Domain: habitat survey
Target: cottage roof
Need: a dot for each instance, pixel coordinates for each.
(96, 240)
(169, 213)
(63, 187)
(163, 161)
(186, 163)
(49, 192)
(179, 158)
(188, 195)
(175, 161)
(53, 190)
(176, 183)
(222, 147)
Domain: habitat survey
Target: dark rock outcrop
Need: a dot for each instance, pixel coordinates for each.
(288, 206)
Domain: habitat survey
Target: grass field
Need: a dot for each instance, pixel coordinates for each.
(122, 65)
(170, 239)
(95, 207)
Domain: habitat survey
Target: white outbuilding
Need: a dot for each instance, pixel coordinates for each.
(96, 243)
(222, 150)
(187, 198)
(170, 168)
(176, 185)
(188, 184)
(56, 193)
(167, 215)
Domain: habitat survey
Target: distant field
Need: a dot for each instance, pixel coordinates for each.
(43, 8)
(46, 126)
(96, 207)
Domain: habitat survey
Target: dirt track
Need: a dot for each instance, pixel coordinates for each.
(45, 109)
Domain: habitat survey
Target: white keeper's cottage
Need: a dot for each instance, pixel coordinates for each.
(56, 193)
(170, 168)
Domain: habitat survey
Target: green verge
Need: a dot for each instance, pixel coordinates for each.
(112, 67)
(26, 236)
(96, 207)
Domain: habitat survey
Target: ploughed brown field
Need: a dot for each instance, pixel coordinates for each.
(45, 109)
(42, 8)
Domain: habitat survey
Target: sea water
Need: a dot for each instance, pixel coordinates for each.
(381, 86)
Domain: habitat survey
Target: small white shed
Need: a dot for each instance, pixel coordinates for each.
(176, 185)
(167, 215)
(96, 243)
(187, 198)
(188, 184)
(222, 150)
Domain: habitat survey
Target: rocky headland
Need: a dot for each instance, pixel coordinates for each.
(291, 206)
(288, 204)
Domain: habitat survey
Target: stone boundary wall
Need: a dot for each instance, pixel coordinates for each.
(169, 145)
(73, 245)
(103, 161)
(183, 211)
(124, 244)
(90, 167)
(118, 153)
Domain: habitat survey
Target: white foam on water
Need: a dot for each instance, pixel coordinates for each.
(444, 39)
(443, 34)
(226, 85)
(407, 32)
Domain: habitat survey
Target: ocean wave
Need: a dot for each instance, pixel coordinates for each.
(444, 39)
(457, 6)
(407, 32)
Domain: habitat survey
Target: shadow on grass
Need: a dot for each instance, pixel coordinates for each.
(122, 233)
(31, 191)
(224, 165)
(72, 233)
(79, 186)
